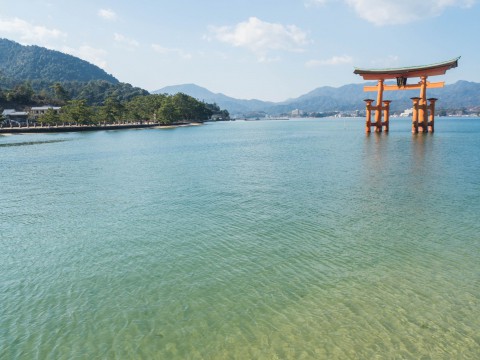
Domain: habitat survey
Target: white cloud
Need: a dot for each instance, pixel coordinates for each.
(335, 60)
(261, 37)
(86, 52)
(393, 12)
(28, 33)
(127, 42)
(171, 51)
(107, 14)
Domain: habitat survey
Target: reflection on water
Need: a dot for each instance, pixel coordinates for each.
(422, 147)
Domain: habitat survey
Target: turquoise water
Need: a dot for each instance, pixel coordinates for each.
(300, 239)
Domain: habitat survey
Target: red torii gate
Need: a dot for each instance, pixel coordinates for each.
(420, 107)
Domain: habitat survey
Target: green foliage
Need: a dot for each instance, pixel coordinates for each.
(51, 117)
(112, 111)
(60, 93)
(22, 94)
(145, 107)
(38, 93)
(165, 109)
(190, 108)
(78, 112)
(169, 112)
(168, 109)
(96, 92)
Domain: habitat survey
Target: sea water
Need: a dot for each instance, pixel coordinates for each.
(299, 239)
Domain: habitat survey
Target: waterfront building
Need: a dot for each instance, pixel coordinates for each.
(37, 111)
(13, 116)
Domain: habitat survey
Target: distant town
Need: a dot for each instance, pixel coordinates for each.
(298, 113)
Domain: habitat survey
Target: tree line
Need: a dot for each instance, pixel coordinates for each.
(15, 94)
(161, 108)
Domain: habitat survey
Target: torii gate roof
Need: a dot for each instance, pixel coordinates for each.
(408, 72)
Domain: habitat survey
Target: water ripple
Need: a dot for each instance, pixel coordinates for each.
(240, 240)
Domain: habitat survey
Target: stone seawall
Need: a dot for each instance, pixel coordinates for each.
(72, 128)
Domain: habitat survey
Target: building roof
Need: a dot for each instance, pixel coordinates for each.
(46, 107)
(13, 112)
(408, 72)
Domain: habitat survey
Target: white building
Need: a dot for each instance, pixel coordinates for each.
(407, 113)
(38, 111)
(297, 112)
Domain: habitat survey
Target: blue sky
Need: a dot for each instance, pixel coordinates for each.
(263, 49)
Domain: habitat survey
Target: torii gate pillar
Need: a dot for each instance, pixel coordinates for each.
(378, 110)
(422, 106)
(431, 122)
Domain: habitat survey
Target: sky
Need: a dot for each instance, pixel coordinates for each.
(270, 50)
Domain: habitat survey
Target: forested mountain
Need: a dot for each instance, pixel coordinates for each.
(33, 75)
(96, 91)
(37, 93)
(18, 62)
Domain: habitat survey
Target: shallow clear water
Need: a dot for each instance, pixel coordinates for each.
(300, 239)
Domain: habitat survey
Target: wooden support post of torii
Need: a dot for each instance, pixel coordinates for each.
(431, 121)
(378, 109)
(415, 114)
(368, 122)
(386, 115)
(421, 122)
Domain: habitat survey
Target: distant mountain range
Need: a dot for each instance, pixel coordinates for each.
(462, 94)
(225, 102)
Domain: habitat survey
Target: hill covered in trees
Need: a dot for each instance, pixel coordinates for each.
(35, 63)
(33, 75)
(37, 93)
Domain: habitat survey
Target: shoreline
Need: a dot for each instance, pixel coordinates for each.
(79, 128)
